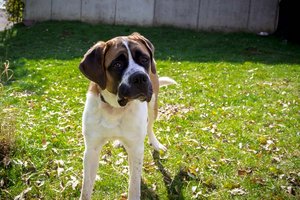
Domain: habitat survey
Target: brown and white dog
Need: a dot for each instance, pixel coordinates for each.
(121, 104)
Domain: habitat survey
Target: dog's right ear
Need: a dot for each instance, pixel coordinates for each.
(92, 64)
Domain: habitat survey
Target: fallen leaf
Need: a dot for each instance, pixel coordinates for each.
(22, 195)
(120, 161)
(276, 160)
(74, 182)
(231, 185)
(238, 191)
(39, 183)
(262, 140)
(258, 181)
(244, 172)
(60, 163)
(209, 183)
(123, 196)
(240, 145)
(98, 178)
(226, 160)
(194, 188)
(289, 189)
(59, 171)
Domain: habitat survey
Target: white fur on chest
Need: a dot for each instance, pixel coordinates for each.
(100, 120)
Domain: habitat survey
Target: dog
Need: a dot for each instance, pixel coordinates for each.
(121, 104)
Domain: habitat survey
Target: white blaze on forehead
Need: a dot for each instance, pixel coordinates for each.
(132, 65)
(125, 42)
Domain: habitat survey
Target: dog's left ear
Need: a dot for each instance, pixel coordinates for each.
(92, 64)
(149, 46)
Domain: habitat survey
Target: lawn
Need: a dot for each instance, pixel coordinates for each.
(231, 125)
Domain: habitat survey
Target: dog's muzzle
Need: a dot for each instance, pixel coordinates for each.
(139, 87)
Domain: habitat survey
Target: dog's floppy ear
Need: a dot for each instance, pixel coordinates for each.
(149, 46)
(92, 64)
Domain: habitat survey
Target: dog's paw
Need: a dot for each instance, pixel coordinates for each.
(153, 141)
(117, 144)
(158, 146)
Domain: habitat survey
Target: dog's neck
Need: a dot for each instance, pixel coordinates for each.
(105, 96)
(102, 99)
(109, 98)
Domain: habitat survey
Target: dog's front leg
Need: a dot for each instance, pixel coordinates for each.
(135, 159)
(90, 166)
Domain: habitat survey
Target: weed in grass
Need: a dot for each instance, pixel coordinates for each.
(6, 73)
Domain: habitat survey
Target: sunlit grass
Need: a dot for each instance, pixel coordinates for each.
(231, 124)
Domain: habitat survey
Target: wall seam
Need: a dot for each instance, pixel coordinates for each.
(248, 18)
(116, 1)
(276, 18)
(198, 14)
(51, 17)
(80, 10)
(154, 13)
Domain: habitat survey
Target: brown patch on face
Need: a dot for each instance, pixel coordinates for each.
(115, 49)
(140, 54)
(138, 37)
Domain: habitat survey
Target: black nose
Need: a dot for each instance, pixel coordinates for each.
(138, 78)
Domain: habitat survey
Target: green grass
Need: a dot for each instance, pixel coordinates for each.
(231, 125)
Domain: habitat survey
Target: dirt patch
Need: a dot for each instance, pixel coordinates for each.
(7, 136)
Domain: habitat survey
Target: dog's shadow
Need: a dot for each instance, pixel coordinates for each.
(173, 186)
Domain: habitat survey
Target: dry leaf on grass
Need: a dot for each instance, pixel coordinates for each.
(22, 195)
(169, 111)
(238, 191)
(244, 172)
(289, 189)
(258, 181)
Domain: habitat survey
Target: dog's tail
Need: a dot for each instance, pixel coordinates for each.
(165, 81)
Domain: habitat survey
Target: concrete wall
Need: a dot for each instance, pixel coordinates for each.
(38, 10)
(221, 15)
(177, 13)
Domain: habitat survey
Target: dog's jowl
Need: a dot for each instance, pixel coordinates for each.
(121, 104)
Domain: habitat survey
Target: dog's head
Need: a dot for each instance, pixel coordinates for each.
(121, 67)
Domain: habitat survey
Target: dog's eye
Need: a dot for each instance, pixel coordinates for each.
(144, 60)
(117, 65)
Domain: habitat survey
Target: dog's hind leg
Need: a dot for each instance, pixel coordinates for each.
(152, 114)
(90, 166)
(153, 140)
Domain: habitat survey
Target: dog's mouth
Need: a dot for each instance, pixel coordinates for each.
(137, 87)
(122, 102)
(126, 94)
(141, 97)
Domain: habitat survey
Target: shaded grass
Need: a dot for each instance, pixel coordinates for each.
(231, 124)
